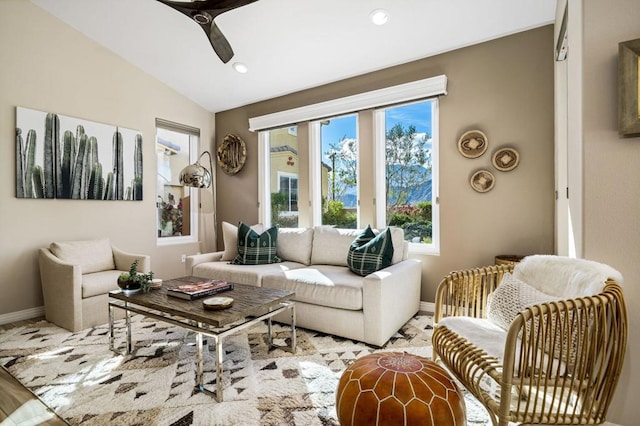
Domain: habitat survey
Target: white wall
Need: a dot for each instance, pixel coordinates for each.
(49, 66)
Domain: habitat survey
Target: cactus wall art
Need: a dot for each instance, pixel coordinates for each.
(65, 157)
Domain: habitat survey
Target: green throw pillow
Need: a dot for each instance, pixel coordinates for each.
(254, 248)
(369, 253)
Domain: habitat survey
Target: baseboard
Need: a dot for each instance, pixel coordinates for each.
(428, 307)
(22, 315)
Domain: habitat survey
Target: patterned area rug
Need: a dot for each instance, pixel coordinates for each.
(77, 375)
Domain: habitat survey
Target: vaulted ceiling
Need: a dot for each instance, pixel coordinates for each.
(290, 45)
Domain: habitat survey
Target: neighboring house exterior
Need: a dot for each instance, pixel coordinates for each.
(284, 166)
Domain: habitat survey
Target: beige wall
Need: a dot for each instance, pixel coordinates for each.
(612, 177)
(49, 66)
(503, 87)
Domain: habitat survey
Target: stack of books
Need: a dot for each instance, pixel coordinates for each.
(199, 289)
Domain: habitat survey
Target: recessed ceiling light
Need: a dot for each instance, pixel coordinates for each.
(240, 67)
(379, 16)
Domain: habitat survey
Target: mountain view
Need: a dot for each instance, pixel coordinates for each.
(419, 192)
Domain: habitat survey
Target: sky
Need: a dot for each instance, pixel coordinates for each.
(418, 114)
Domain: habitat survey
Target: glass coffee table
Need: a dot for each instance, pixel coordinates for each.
(251, 306)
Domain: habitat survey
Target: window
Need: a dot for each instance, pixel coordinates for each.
(338, 167)
(407, 178)
(176, 148)
(283, 176)
(370, 158)
(288, 187)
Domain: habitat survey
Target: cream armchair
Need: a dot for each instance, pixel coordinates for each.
(542, 342)
(77, 277)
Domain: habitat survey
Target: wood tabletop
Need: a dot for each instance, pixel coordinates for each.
(249, 301)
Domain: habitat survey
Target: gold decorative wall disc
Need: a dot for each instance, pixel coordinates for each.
(472, 144)
(506, 159)
(231, 155)
(482, 181)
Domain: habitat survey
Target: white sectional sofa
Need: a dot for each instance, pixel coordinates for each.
(329, 297)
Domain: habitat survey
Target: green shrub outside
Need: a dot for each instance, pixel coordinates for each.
(414, 220)
(278, 205)
(335, 214)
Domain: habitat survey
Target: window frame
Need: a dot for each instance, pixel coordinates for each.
(264, 176)
(380, 163)
(419, 90)
(315, 171)
(194, 143)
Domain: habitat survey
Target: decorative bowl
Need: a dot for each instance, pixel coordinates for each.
(506, 159)
(472, 144)
(482, 181)
(129, 287)
(216, 303)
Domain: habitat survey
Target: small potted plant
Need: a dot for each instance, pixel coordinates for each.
(133, 281)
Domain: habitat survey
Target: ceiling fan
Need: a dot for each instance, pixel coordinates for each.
(203, 12)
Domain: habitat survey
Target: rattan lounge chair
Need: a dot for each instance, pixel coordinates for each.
(557, 362)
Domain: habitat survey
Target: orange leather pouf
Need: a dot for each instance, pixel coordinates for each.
(394, 388)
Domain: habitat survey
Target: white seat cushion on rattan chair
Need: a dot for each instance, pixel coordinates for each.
(483, 333)
(488, 336)
(565, 277)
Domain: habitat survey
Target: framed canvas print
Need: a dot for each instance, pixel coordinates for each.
(66, 157)
(628, 88)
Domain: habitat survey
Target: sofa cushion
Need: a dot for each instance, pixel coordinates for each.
(254, 248)
(294, 244)
(397, 236)
(510, 298)
(241, 274)
(331, 245)
(325, 285)
(90, 255)
(98, 283)
(230, 239)
(370, 252)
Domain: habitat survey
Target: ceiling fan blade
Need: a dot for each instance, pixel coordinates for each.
(220, 44)
(203, 12)
(221, 5)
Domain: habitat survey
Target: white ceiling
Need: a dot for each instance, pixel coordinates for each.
(290, 45)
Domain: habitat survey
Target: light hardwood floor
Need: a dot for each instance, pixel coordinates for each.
(18, 405)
